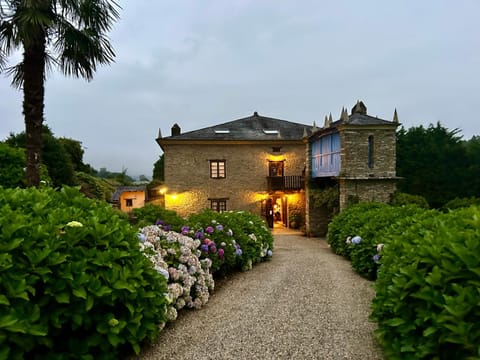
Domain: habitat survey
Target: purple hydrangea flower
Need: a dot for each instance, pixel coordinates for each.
(213, 248)
(221, 252)
(219, 227)
(229, 232)
(238, 251)
(356, 240)
(204, 248)
(209, 230)
(141, 237)
(199, 235)
(270, 253)
(185, 229)
(376, 257)
(160, 222)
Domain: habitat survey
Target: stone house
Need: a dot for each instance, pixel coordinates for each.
(256, 164)
(357, 155)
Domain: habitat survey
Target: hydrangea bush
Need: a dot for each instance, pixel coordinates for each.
(242, 238)
(428, 288)
(73, 281)
(177, 257)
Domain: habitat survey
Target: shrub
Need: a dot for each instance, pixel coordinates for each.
(12, 163)
(73, 282)
(375, 232)
(152, 214)
(243, 236)
(346, 225)
(400, 199)
(427, 291)
(461, 203)
(176, 256)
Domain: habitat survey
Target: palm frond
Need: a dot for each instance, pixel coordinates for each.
(16, 72)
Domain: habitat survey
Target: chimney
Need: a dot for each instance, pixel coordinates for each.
(176, 130)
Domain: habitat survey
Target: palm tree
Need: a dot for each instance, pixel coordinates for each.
(68, 34)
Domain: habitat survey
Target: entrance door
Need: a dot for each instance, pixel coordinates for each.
(284, 211)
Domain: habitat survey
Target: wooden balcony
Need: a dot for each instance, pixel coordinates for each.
(283, 183)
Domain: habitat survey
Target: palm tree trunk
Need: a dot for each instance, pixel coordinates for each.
(33, 103)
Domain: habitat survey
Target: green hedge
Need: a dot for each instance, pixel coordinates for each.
(428, 288)
(73, 282)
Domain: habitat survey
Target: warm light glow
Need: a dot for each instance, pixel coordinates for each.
(272, 157)
(162, 190)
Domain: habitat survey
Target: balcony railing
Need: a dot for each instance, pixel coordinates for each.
(282, 183)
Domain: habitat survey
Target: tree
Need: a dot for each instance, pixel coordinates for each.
(433, 163)
(64, 33)
(54, 156)
(158, 169)
(12, 163)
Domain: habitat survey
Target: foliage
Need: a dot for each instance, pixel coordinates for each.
(177, 257)
(73, 281)
(121, 178)
(73, 149)
(436, 164)
(326, 198)
(427, 291)
(461, 203)
(12, 163)
(69, 35)
(400, 199)
(154, 214)
(243, 236)
(94, 187)
(158, 169)
(347, 223)
(54, 156)
(374, 233)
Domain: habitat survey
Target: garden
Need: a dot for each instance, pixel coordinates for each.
(78, 280)
(425, 265)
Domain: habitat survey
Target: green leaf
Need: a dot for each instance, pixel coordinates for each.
(80, 292)
(7, 320)
(4, 300)
(395, 322)
(63, 298)
(12, 244)
(89, 303)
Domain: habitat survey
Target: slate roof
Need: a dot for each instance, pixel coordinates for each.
(254, 127)
(122, 189)
(361, 119)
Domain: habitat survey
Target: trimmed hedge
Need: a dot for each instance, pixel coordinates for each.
(428, 288)
(73, 281)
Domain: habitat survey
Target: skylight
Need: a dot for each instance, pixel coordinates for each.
(270, 132)
(222, 131)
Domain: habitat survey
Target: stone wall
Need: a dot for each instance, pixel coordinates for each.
(354, 152)
(187, 174)
(352, 191)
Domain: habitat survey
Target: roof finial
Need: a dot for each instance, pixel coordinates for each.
(330, 120)
(344, 115)
(314, 127)
(255, 113)
(395, 116)
(159, 133)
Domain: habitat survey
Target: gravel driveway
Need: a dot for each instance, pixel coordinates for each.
(306, 303)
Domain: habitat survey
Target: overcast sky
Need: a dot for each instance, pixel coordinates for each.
(203, 62)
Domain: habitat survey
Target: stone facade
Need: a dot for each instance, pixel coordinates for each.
(249, 147)
(190, 188)
(367, 169)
